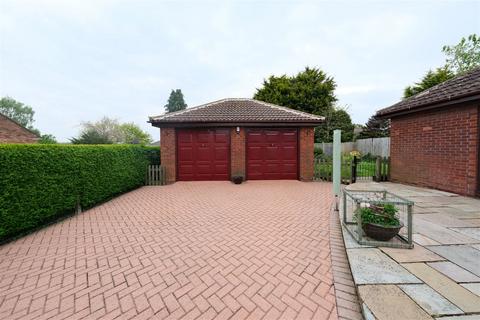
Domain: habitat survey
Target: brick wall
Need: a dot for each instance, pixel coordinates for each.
(437, 148)
(306, 154)
(237, 152)
(11, 132)
(168, 153)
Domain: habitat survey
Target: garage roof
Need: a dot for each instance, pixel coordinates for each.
(234, 111)
(459, 89)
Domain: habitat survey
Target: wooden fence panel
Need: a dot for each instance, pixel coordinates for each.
(156, 175)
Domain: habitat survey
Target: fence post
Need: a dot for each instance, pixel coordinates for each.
(378, 169)
(337, 164)
(353, 177)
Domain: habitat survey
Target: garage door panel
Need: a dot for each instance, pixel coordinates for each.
(289, 153)
(203, 154)
(272, 154)
(186, 153)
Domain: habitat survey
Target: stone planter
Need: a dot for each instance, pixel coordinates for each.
(381, 233)
(237, 179)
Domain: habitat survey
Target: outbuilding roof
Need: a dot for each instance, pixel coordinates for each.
(462, 88)
(237, 111)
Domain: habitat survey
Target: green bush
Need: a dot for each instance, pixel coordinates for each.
(318, 152)
(153, 154)
(40, 183)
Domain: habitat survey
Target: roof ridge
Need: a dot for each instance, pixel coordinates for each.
(174, 113)
(294, 111)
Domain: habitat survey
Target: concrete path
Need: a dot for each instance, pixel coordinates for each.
(440, 277)
(202, 250)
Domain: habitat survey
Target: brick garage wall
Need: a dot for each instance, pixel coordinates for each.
(306, 153)
(437, 148)
(237, 152)
(11, 132)
(168, 154)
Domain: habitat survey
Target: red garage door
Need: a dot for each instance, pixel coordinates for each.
(272, 154)
(203, 154)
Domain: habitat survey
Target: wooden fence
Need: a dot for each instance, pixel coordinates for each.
(156, 175)
(353, 169)
(373, 146)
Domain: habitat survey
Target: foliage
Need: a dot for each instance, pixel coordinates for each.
(90, 136)
(108, 131)
(318, 152)
(40, 183)
(337, 118)
(431, 78)
(463, 56)
(132, 134)
(375, 128)
(312, 91)
(17, 111)
(176, 101)
(381, 214)
(152, 154)
(47, 139)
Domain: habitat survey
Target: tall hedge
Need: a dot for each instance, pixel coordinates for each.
(40, 183)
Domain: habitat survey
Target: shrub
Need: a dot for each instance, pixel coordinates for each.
(40, 183)
(318, 152)
(153, 154)
(381, 214)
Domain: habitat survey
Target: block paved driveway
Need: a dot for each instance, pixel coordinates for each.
(198, 250)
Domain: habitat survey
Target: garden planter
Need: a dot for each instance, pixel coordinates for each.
(381, 233)
(237, 179)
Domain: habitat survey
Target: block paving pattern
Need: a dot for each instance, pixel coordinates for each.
(201, 250)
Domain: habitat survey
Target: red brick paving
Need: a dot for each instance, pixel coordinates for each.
(203, 250)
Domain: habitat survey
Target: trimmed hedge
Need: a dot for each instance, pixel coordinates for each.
(40, 183)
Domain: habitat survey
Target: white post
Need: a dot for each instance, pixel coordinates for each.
(337, 165)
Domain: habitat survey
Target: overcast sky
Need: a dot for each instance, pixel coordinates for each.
(75, 61)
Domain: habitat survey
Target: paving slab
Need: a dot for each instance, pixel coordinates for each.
(473, 287)
(440, 233)
(464, 255)
(454, 272)
(350, 242)
(389, 302)
(367, 314)
(372, 266)
(476, 246)
(430, 300)
(424, 240)
(469, 317)
(416, 254)
(443, 219)
(471, 222)
(455, 293)
(469, 232)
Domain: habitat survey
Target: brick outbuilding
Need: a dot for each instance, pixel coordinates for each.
(435, 136)
(13, 132)
(237, 137)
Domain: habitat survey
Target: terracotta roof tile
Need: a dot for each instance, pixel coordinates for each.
(463, 86)
(237, 110)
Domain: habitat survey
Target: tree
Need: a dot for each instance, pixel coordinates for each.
(175, 101)
(17, 111)
(375, 128)
(430, 79)
(464, 56)
(132, 134)
(310, 91)
(47, 139)
(337, 118)
(90, 136)
(107, 131)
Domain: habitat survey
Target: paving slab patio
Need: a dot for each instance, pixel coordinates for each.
(445, 260)
(189, 250)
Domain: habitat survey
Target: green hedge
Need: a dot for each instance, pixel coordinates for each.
(40, 183)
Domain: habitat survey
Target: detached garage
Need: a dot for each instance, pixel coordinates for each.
(237, 137)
